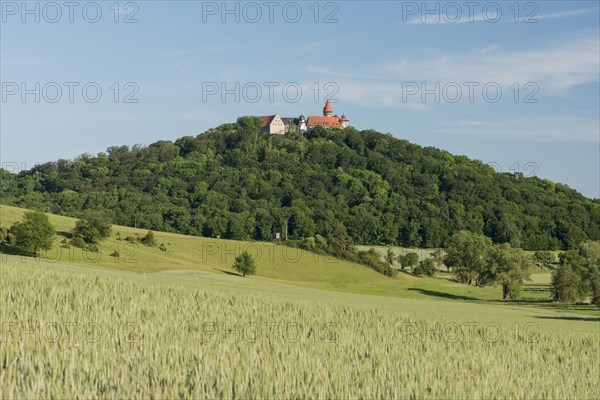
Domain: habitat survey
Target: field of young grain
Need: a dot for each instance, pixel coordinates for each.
(69, 335)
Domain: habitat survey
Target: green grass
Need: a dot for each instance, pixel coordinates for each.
(182, 324)
(184, 334)
(216, 255)
(275, 263)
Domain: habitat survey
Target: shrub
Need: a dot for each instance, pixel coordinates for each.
(321, 242)
(133, 239)
(372, 259)
(11, 239)
(162, 247)
(78, 241)
(92, 227)
(309, 242)
(425, 267)
(149, 239)
(92, 247)
(3, 234)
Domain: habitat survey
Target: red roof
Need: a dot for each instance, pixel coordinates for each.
(267, 120)
(333, 122)
(327, 108)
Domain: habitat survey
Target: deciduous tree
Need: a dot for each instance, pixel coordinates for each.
(245, 264)
(34, 233)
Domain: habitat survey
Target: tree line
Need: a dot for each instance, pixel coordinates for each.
(236, 182)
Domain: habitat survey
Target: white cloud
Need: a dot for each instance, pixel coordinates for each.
(374, 95)
(554, 69)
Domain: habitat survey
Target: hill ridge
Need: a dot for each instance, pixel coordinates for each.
(237, 182)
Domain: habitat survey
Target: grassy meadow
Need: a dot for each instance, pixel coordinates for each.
(275, 262)
(182, 324)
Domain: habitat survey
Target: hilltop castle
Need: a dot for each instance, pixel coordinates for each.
(275, 124)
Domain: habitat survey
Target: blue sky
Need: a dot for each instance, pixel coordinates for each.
(384, 62)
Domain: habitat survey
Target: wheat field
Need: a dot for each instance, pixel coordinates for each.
(66, 335)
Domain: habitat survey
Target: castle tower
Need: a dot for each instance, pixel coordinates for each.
(302, 124)
(327, 110)
(344, 121)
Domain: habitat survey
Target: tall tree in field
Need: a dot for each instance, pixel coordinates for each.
(245, 264)
(390, 257)
(438, 258)
(508, 267)
(341, 240)
(567, 283)
(590, 251)
(467, 256)
(578, 275)
(34, 233)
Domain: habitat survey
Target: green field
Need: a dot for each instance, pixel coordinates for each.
(181, 324)
(276, 263)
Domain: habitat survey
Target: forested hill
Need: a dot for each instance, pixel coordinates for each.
(235, 182)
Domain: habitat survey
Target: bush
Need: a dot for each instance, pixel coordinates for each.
(92, 247)
(133, 239)
(162, 247)
(3, 234)
(115, 254)
(78, 241)
(425, 267)
(149, 239)
(321, 242)
(310, 243)
(92, 227)
(372, 259)
(11, 239)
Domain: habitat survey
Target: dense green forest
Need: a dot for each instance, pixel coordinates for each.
(237, 182)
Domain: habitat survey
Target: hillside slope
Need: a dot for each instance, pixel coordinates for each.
(215, 255)
(276, 264)
(238, 183)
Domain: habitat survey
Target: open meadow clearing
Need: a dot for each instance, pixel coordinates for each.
(85, 332)
(182, 324)
(276, 263)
